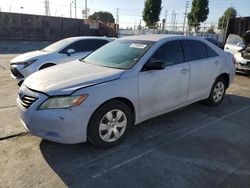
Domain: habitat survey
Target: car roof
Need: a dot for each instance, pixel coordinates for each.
(159, 37)
(151, 37)
(72, 39)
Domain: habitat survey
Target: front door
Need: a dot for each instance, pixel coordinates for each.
(160, 90)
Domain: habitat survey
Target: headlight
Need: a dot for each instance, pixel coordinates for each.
(63, 102)
(27, 63)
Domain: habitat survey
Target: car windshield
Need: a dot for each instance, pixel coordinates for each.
(121, 54)
(56, 46)
(234, 39)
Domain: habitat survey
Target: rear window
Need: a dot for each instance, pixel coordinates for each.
(195, 49)
(211, 52)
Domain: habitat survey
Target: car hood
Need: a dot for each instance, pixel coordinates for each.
(28, 56)
(65, 78)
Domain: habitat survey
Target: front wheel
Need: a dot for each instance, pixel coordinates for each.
(110, 124)
(217, 92)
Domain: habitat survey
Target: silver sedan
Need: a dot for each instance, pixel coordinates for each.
(99, 98)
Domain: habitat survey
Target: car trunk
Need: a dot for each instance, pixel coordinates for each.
(245, 52)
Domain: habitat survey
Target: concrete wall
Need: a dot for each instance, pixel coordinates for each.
(26, 27)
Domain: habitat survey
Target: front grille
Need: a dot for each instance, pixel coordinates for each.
(246, 65)
(26, 101)
(15, 72)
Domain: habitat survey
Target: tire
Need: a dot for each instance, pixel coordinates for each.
(104, 124)
(46, 66)
(217, 92)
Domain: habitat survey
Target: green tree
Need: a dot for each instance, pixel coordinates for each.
(102, 16)
(229, 13)
(198, 14)
(151, 12)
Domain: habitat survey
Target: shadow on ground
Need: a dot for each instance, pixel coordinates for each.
(196, 146)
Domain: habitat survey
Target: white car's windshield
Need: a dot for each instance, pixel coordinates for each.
(57, 45)
(121, 54)
(234, 39)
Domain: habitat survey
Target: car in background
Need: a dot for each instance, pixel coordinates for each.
(62, 51)
(234, 44)
(215, 42)
(240, 48)
(125, 82)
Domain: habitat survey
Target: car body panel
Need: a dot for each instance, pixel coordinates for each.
(74, 75)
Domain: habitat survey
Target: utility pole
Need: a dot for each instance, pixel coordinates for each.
(117, 20)
(185, 16)
(75, 9)
(139, 27)
(174, 21)
(166, 16)
(70, 9)
(47, 10)
(86, 9)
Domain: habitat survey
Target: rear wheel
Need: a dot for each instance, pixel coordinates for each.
(217, 92)
(110, 124)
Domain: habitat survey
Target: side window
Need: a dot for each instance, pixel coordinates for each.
(196, 50)
(170, 53)
(98, 44)
(211, 52)
(80, 46)
(84, 46)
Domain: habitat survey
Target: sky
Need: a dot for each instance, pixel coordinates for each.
(130, 11)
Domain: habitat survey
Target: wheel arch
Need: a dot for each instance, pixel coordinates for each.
(45, 65)
(121, 99)
(226, 77)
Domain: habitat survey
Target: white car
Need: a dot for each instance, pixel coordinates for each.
(59, 52)
(240, 48)
(129, 80)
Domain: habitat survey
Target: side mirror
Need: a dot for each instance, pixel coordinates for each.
(70, 51)
(155, 65)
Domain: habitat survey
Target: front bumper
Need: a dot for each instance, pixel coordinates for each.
(67, 126)
(245, 67)
(241, 63)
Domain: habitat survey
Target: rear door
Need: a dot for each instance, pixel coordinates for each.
(205, 65)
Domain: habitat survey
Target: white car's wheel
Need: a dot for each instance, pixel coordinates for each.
(110, 124)
(217, 92)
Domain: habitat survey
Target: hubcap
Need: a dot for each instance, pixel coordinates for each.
(112, 125)
(218, 91)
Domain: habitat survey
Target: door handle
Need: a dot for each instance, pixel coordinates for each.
(184, 70)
